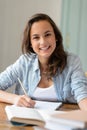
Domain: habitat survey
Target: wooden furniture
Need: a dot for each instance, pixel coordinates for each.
(86, 74)
(68, 107)
(5, 124)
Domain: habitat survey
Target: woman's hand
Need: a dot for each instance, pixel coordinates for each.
(24, 101)
(83, 104)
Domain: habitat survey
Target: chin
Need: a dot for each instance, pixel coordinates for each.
(46, 55)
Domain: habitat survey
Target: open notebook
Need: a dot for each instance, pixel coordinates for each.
(30, 116)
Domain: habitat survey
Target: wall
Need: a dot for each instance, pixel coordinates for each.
(13, 17)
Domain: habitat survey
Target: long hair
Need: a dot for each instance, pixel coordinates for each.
(58, 59)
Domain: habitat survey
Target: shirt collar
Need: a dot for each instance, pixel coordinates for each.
(36, 64)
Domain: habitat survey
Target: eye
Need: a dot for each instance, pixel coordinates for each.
(48, 34)
(35, 38)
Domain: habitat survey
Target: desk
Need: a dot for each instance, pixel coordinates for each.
(6, 125)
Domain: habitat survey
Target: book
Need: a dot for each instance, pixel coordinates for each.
(22, 115)
(46, 119)
(31, 116)
(74, 118)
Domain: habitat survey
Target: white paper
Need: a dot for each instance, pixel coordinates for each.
(56, 126)
(47, 105)
(52, 125)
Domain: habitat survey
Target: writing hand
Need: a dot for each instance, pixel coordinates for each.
(24, 101)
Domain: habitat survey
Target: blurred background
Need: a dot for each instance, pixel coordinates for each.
(69, 15)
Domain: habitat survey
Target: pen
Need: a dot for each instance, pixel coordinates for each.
(22, 86)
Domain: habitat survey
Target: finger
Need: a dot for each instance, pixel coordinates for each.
(24, 103)
(30, 101)
(27, 102)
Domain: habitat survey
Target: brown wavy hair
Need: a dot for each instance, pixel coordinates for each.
(58, 59)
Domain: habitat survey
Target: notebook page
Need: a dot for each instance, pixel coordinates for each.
(47, 105)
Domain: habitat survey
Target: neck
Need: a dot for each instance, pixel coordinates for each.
(43, 67)
(43, 61)
(43, 64)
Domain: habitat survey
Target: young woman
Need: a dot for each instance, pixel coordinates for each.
(45, 69)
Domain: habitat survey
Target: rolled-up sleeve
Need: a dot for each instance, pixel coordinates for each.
(78, 80)
(10, 75)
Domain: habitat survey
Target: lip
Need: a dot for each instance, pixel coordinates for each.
(45, 48)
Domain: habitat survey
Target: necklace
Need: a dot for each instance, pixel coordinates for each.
(45, 76)
(44, 73)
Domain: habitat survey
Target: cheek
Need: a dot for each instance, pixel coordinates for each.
(54, 46)
(53, 39)
(34, 46)
(53, 42)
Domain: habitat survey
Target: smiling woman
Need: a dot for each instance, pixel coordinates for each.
(44, 68)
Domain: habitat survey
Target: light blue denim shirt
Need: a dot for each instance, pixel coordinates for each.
(70, 85)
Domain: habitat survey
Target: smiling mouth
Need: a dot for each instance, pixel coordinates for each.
(45, 48)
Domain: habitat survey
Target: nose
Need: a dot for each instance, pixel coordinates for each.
(42, 40)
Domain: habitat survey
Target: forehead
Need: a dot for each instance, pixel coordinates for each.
(41, 26)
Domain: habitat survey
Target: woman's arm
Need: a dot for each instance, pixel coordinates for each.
(19, 100)
(83, 104)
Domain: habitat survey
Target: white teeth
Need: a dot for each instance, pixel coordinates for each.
(44, 48)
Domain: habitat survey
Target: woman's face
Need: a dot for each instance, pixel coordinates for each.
(43, 39)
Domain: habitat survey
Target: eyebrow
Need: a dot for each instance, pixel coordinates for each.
(48, 31)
